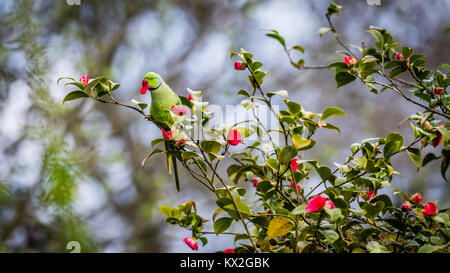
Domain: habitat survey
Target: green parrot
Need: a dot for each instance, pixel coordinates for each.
(163, 100)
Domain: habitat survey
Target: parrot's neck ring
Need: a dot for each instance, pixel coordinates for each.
(154, 88)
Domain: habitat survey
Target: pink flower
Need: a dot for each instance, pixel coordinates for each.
(399, 57)
(416, 198)
(350, 61)
(191, 97)
(295, 186)
(406, 206)
(239, 65)
(369, 194)
(178, 110)
(427, 125)
(234, 137)
(191, 242)
(329, 204)
(84, 80)
(255, 181)
(181, 142)
(316, 203)
(438, 90)
(429, 209)
(167, 135)
(294, 164)
(229, 250)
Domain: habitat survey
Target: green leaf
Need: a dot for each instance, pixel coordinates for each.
(222, 224)
(427, 249)
(299, 48)
(330, 235)
(377, 34)
(293, 107)
(211, 146)
(333, 9)
(141, 105)
(155, 151)
(279, 226)
(299, 210)
(300, 142)
(156, 141)
(275, 35)
(397, 71)
(283, 93)
(342, 78)
(75, 95)
(165, 210)
(393, 144)
(287, 153)
(332, 111)
(272, 163)
(415, 155)
(188, 154)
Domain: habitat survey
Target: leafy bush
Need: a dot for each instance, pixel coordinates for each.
(348, 215)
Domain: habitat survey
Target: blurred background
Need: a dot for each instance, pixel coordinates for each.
(72, 172)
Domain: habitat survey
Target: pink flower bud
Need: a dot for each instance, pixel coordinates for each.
(255, 181)
(350, 61)
(84, 80)
(178, 110)
(294, 164)
(295, 186)
(191, 242)
(427, 125)
(416, 198)
(191, 97)
(181, 142)
(316, 203)
(229, 250)
(329, 204)
(234, 137)
(429, 209)
(321, 123)
(239, 65)
(399, 57)
(438, 90)
(406, 206)
(167, 135)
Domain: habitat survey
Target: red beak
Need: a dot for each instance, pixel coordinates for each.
(144, 89)
(145, 86)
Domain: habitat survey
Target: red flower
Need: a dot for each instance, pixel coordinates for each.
(399, 57)
(178, 110)
(438, 90)
(329, 204)
(429, 209)
(435, 142)
(255, 181)
(416, 198)
(295, 186)
(84, 80)
(294, 164)
(181, 142)
(406, 206)
(350, 61)
(316, 203)
(167, 135)
(191, 242)
(369, 194)
(191, 97)
(234, 137)
(239, 65)
(229, 250)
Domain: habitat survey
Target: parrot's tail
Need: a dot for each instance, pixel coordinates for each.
(175, 172)
(172, 160)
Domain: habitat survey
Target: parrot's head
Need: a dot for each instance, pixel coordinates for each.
(151, 82)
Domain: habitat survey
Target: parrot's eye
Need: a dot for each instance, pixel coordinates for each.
(151, 79)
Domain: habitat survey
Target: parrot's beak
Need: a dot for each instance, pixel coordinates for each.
(145, 86)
